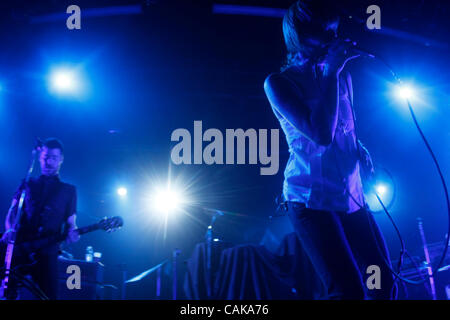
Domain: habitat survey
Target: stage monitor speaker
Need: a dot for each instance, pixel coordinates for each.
(91, 280)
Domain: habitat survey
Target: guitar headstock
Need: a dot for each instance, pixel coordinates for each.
(110, 224)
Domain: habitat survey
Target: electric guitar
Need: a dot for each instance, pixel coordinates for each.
(29, 247)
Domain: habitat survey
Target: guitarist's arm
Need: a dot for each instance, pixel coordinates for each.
(11, 216)
(9, 221)
(72, 235)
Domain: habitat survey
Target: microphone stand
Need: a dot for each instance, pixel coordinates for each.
(17, 219)
(209, 236)
(427, 259)
(176, 252)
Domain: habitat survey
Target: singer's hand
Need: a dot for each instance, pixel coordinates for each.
(339, 53)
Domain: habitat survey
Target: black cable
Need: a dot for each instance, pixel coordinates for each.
(436, 163)
(365, 206)
(397, 274)
(403, 250)
(29, 284)
(420, 273)
(444, 184)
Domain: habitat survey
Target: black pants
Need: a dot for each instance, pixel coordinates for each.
(43, 272)
(341, 246)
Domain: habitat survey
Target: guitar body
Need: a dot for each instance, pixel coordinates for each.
(7, 251)
(22, 253)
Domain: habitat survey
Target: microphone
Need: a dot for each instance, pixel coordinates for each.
(363, 53)
(38, 144)
(356, 50)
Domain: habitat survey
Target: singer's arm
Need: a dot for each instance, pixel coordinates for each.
(317, 123)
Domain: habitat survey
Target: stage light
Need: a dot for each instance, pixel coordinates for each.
(385, 190)
(167, 200)
(65, 81)
(380, 189)
(122, 191)
(405, 92)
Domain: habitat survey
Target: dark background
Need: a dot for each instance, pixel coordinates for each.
(148, 74)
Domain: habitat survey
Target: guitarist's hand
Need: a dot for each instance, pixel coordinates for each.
(72, 236)
(7, 236)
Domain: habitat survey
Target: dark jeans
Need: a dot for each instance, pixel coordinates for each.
(43, 272)
(341, 246)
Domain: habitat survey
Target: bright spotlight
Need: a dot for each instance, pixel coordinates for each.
(380, 189)
(405, 92)
(167, 200)
(64, 81)
(122, 191)
(385, 191)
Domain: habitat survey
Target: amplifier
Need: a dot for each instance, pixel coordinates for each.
(91, 280)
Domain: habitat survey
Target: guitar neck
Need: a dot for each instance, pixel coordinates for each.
(81, 231)
(56, 238)
(105, 224)
(87, 229)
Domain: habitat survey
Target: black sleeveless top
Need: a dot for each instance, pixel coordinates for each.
(48, 204)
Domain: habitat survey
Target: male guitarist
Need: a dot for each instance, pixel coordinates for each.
(49, 208)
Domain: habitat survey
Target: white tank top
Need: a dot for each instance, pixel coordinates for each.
(324, 177)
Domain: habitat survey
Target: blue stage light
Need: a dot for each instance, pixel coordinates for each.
(381, 189)
(65, 81)
(167, 200)
(405, 92)
(385, 191)
(122, 191)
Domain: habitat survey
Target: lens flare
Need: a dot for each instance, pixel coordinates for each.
(65, 81)
(122, 191)
(405, 92)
